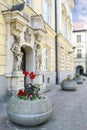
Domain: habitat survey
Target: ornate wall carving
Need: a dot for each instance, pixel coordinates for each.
(27, 35)
(16, 49)
(37, 48)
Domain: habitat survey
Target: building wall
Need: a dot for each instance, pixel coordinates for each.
(80, 45)
(65, 59)
(38, 8)
(3, 80)
(66, 65)
(47, 41)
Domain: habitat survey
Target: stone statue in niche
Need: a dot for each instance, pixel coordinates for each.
(37, 49)
(16, 49)
(27, 35)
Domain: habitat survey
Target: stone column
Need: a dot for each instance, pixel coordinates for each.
(8, 60)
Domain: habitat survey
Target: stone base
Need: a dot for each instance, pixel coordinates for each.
(16, 81)
(29, 113)
(78, 80)
(69, 85)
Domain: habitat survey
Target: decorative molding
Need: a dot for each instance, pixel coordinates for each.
(16, 28)
(38, 27)
(79, 46)
(38, 33)
(38, 23)
(15, 20)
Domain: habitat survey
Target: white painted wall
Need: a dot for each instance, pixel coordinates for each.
(83, 46)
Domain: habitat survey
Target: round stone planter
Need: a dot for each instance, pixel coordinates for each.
(68, 85)
(78, 80)
(29, 113)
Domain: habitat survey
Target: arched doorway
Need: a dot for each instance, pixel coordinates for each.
(28, 61)
(79, 70)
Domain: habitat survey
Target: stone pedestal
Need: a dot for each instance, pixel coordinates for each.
(16, 81)
(39, 80)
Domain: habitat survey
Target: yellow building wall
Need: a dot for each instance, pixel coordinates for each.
(38, 8)
(49, 43)
(65, 59)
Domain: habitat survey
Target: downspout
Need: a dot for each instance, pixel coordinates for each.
(56, 43)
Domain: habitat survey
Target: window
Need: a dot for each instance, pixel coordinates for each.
(28, 1)
(46, 59)
(46, 11)
(78, 38)
(79, 53)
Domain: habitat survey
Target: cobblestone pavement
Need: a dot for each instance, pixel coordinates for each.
(69, 111)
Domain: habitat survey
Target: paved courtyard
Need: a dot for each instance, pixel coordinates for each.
(69, 111)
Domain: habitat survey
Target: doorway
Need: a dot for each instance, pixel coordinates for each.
(79, 70)
(28, 61)
(23, 64)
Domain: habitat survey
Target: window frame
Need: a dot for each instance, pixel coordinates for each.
(46, 59)
(46, 11)
(79, 53)
(78, 38)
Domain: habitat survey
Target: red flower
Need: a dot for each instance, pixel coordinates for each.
(32, 75)
(25, 73)
(21, 93)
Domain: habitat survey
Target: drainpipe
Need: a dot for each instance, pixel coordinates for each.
(56, 43)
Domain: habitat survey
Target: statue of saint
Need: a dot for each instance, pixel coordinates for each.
(16, 49)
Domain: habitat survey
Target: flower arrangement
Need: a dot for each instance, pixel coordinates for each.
(30, 92)
(69, 78)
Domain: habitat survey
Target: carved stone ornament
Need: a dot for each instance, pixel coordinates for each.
(37, 48)
(16, 28)
(27, 35)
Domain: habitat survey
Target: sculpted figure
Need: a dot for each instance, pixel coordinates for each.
(27, 35)
(37, 48)
(17, 54)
